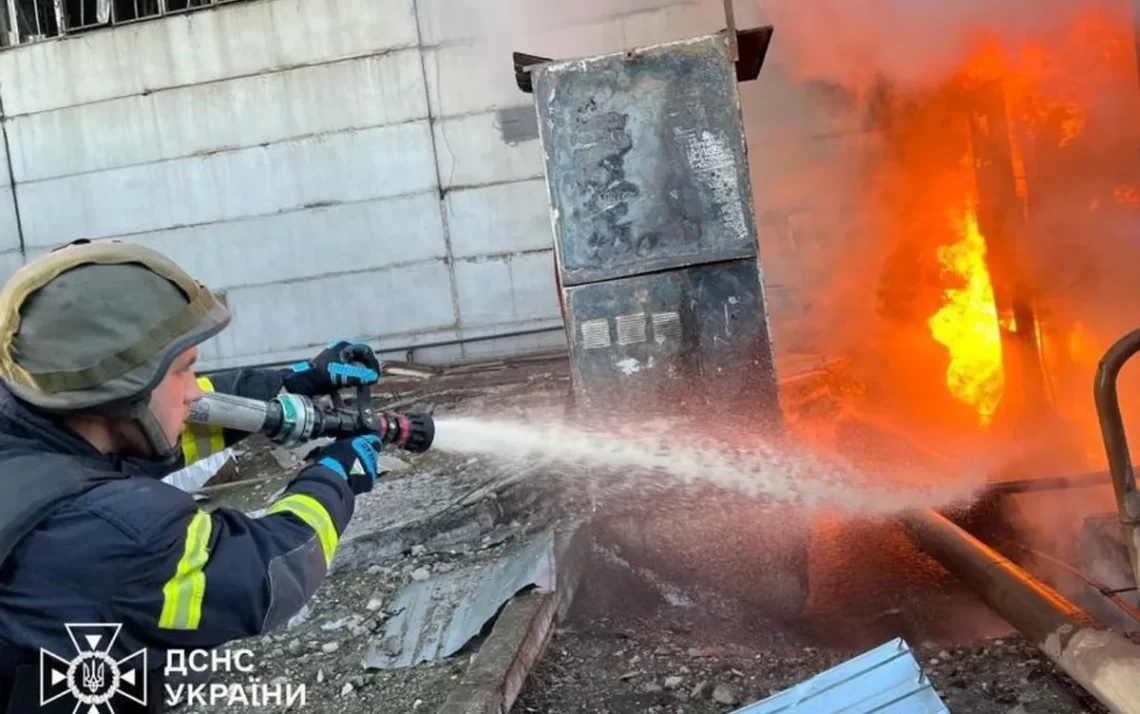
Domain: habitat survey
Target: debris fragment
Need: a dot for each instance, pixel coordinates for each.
(725, 694)
(435, 618)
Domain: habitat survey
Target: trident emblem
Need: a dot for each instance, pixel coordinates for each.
(93, 675)
(96, 681)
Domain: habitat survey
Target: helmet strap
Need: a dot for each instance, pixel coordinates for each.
(139, 411)
(163, 449)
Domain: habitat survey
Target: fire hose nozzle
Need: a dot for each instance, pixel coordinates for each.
(291, 419)
(410, 432)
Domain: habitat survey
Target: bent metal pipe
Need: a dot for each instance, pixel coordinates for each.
(1101, 660)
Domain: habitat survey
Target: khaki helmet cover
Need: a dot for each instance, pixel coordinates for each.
(93, 327)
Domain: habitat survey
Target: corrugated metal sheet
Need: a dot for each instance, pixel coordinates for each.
(437, 617)
(885, 680)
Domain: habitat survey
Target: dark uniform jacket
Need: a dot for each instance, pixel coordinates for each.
(134, 551)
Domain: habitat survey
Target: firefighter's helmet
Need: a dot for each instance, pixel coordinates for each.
(92, 327)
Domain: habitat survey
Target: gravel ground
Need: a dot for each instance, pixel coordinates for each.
(626, 649)
(324, 646)
(663, 664)
(636, 642)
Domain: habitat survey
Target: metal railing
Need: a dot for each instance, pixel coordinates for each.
(26, 21)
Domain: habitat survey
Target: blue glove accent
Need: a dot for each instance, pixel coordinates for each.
(333, 465)
(354, 460)
(342, 364)
(368, 447)
(341, 374)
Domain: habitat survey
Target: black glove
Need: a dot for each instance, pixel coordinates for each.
(331, 370)
(354, 460)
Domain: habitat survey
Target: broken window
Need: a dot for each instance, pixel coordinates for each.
(24, 21)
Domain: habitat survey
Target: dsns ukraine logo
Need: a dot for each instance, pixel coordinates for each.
(92, 677)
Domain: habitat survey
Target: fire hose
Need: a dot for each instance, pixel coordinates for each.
(293, 419)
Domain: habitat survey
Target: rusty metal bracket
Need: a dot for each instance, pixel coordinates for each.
(1116, 443)
(523, 65)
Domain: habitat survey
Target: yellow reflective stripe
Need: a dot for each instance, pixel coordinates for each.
(310, 510)
(198, 440)
(182, 594)
(189, 444)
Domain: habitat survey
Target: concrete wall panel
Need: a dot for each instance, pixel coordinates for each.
(467, 79)
(478, 76)
(10, 262)
(294, 246)
(449, 21)
(545, 341)
(505, 218)
(204, 46)
(507, 289)
(9, 226)
(472, 150)
(239, 113)
(5, 177)
(381, 303)
(328, 169)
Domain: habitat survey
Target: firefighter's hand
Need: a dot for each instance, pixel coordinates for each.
(342, 364)
(354, 460)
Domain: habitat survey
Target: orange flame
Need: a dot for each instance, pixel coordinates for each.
(967, 324)
(1127, 195)
(937, 146)
(1038, 93)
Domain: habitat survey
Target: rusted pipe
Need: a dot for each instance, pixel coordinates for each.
(1116, 444)
(1101, 660)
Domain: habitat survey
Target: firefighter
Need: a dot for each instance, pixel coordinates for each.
(98, 341)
